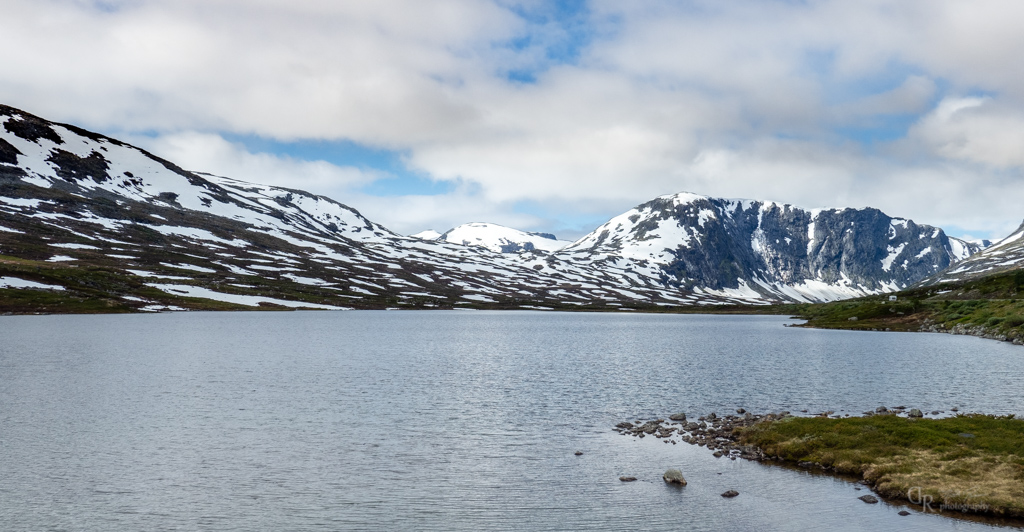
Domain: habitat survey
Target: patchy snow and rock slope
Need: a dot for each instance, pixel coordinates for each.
(1006, 254)
(765, 250)
(79, 202)
(84, 199)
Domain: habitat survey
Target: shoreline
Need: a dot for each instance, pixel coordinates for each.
(992, 319)
(911, 476)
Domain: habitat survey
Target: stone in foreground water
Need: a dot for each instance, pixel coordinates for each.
(674, 476)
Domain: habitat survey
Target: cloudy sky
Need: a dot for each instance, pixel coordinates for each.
(551, 115)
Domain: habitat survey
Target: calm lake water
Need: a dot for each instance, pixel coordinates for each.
(444, 420)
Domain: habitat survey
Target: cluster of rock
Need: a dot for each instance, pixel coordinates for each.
(718, 434)
(969, 330)
(721, 433)
(902, 410)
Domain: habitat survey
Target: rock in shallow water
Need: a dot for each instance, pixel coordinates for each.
(674, 476)
(678, 417)
(627, 479)
(870, 499)
(730, 494)
(904, 513)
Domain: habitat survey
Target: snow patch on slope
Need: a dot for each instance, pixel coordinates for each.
(14, 282)
(501, 239)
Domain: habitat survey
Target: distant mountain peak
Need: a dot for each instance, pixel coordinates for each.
(429, 234)
(501, 239)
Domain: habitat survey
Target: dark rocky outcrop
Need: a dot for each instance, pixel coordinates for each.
(8, 153)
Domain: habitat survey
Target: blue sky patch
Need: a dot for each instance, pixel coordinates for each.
(399, 180)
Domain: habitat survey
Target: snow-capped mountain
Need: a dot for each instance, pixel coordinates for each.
(1004, 255)
(101, 220)
(89, 223)
(501, 239)
(755, 249)
(429, 234)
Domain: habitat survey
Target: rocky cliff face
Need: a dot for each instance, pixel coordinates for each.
(776, 250)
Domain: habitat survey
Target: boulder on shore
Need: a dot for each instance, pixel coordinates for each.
(678, 417)
(674, 476)
(915, 413)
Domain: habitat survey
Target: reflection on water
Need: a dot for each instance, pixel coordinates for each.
(443, 420)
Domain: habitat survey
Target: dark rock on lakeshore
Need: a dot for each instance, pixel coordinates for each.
(969, 330)
(870, 499)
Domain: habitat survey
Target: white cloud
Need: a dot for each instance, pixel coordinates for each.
(977, 130)
(211, 153)
(745, 98)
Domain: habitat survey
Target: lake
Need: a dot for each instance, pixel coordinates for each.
(445, 420)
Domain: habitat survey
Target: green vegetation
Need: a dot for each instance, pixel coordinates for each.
(986, 306)
(969, 461)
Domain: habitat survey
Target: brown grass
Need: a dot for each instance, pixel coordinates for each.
(970, 463)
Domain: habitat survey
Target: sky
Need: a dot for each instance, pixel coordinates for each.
(551, 115)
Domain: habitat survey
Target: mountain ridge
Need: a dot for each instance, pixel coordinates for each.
(1001, 256)
(770, 248)
(70, 198)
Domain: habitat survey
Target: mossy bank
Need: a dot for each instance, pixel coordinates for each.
(969, 463)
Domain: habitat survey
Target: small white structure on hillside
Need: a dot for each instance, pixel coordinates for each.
(892, 298)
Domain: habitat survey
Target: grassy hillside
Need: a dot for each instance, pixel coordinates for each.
(986, 307)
